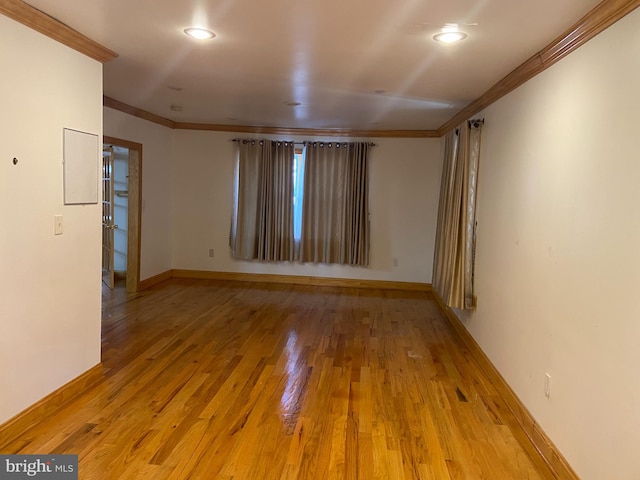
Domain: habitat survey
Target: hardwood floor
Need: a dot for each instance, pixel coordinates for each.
(222, 380)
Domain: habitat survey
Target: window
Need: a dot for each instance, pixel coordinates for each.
(298, 192)
(309, 205)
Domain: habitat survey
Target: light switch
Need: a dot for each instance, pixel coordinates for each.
(57, 224)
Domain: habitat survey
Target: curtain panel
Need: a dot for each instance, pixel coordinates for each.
(262, 222)
(335, 212)
(454, 255)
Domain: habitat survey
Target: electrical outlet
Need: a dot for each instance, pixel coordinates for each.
(547, 385)
(211, 252)
(395, 262)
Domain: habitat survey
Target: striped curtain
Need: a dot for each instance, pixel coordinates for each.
(335, 212)
(453, 263)
(262, 222)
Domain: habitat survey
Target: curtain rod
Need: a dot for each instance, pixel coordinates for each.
(296, 143)
(256, 140)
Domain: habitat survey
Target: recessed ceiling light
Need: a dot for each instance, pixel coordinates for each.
(449, 37)
(379, 91)
(199, 33)
(450, 34)
(174, 88)
(176, 108)
(292, 104)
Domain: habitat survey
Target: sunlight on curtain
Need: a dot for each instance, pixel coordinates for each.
(335, 218)
(262, 224)
(453, 265)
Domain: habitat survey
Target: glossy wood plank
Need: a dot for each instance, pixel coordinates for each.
(526, 429)
(33, 415)
(300, 280)
(235, 380)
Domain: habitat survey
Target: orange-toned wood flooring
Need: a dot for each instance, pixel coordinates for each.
(221, 380)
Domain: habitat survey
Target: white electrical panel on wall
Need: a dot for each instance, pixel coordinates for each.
(81, 155)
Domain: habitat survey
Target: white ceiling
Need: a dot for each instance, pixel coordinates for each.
(329, 55)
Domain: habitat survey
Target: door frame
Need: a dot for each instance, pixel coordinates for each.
(134, 209)
(108, 220)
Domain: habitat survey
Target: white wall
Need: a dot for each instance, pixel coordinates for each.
(404, 190)
(155, 254)
(50, 285)
(558, 255)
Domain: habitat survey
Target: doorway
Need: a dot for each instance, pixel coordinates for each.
(123, 260)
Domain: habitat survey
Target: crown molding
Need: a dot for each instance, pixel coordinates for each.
(137, 112)
(319, 132)
(52, 28)
(596, 21)
(326, 132)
